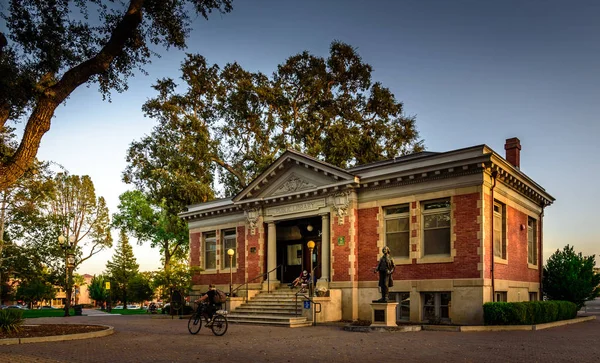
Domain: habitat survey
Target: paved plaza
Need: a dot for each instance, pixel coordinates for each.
(161, 339)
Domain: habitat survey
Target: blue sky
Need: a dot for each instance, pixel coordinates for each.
(473, 72)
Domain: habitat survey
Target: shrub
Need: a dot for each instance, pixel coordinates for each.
(528, 312)
(11, 320)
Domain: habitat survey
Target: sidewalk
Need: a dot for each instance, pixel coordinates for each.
(95, 312)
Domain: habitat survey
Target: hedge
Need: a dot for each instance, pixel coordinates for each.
(528, 312)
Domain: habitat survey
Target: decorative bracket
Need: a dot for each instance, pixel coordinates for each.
(252, 215)
(341, 201)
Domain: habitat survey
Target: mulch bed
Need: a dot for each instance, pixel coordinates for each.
(44, 330)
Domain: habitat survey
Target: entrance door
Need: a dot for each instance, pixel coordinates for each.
(290, 257)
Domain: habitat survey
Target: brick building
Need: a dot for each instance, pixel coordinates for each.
(464, 228)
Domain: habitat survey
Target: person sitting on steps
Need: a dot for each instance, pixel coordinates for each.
(212, 306)
(301, 280)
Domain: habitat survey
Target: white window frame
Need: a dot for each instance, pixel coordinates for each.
(396, 216)
(426, 213)
(500, 296)
(499, 223)
(209, 237)
(229, 241)
(403, 300)
(437, 306)
(533, 296)
(532, 242)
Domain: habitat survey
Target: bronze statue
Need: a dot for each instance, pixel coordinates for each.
(385, 267)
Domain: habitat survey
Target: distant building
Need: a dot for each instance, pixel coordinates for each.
(464, 228)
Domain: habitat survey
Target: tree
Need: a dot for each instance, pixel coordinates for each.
(55, 48)
(97, 289)
(122, 268)
(152, 223)
(239, 121)
(34, 291)
(570, 276)
(71, 209)
(140, 288)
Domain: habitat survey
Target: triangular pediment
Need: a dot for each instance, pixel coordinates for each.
(293, 173)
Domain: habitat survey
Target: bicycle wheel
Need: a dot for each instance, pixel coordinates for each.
(195, 323)
(219, 326)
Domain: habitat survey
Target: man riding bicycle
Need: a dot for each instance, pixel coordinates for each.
(212, 305)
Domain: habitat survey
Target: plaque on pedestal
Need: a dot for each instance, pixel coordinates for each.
(383, 313)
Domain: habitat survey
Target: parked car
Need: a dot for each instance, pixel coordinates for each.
(47, 307)
(16, 307)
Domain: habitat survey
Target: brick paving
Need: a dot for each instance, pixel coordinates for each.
(160, 339)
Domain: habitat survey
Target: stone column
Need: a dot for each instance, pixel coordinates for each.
(325, 249)
(272, 251)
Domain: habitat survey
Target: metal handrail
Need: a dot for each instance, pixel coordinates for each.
(268, 273)
(315, 311)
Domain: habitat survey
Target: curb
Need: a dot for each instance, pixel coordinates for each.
(58, 338)
(396, 329)
(465, 329)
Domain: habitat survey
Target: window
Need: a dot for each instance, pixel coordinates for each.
(397, 230)
(531, 241)
(533, 296)
(501, 296)
(229, 242)
(499, 230)
(436, 227)
(403, 308)
(210, 250)
(436, 306)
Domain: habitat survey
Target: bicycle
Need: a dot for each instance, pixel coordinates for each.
(219, 322)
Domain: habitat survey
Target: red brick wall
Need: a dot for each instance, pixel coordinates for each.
(222, 275)
(254, 264)
(465, 262)
(340, 263)
(367, 243)
(516, 251)
(195, 254)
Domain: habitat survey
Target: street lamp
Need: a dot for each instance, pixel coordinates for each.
(69, 264)
(311, 246)
(230, 252)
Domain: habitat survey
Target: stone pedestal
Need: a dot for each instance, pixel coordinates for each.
(383, 313)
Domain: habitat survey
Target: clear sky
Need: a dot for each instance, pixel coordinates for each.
(473, 72)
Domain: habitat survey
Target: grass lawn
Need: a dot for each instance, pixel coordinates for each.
(45, 313)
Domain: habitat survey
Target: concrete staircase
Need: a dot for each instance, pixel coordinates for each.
(275, 308)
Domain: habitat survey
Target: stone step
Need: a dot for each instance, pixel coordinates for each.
(266, 310)
(284, 320)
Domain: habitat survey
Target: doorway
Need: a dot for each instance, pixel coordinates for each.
(293, 254)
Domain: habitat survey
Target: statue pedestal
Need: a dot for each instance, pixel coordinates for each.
(383, 313)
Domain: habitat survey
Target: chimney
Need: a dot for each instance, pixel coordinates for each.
(513, 151)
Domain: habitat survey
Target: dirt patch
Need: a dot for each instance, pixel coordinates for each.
(44, 330)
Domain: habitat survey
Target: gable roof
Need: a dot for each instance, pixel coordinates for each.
(283, 164)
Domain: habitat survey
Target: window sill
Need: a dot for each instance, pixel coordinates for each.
(402, 260)
(435, 259)
(500, 260)
(532, 267)
(218, 271)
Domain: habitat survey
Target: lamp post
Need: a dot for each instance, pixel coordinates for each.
(69, 264)
(311, 246)
(230, 252)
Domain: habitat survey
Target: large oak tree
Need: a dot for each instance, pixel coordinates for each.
(53, 47)
(237, 122)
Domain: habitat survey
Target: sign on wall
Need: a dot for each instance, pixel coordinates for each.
(341, 240)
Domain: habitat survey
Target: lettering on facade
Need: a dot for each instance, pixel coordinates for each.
(295, 208)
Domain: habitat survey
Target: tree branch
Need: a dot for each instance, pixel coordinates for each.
(230, 169)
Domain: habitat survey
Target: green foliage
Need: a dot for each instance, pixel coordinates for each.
(33, 291)
(122, 268)
(528, 312)
(11, 320)
(97, 289)
(178, 277)
(140, 288)
(570, 276)
(54, 47)
(153, 223)
(239, 121)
